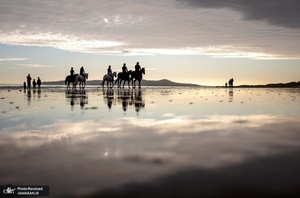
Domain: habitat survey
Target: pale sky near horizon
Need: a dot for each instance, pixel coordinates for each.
(193, 41)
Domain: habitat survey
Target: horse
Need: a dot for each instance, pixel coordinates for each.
(109, 79)
(70, 79)
(79, 78)
(137, 76)
(125, 77)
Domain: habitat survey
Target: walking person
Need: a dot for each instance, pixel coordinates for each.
(34, 84)
(28, 81)
(39, 82)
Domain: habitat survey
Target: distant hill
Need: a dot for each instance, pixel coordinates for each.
(163, 82)
(275, 85)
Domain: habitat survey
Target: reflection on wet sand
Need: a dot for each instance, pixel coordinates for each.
(230, 94)
(76, 97)
(125, 98)
(183, 143)
(32, 94)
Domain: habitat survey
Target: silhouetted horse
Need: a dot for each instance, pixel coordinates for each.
(70, 79)
(137, 76)
(109, 79)
(81, 80)
(125, 77)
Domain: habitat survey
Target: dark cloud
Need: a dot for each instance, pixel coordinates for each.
(285, 13)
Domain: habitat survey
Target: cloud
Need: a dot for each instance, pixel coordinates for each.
(35, 65)
(135, 27)
(277, 12)
(12, 59)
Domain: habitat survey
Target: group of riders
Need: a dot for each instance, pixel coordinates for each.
(125, 73)
(82, 72)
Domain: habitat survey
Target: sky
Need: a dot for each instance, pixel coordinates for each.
(206, 42)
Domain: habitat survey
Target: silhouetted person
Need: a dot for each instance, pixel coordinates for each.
(137, 67)
(124, 69)
(109, 71)
(82, 72)
(34, 84)
(24, 84)
(230, 82)
(28, 81)
(39, 82)
(226, 84)
(72, 72)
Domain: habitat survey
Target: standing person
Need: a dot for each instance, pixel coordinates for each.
(28, 81)
(137, 67)
(232, 82)
(109, 71)
(34, 84)
(72, 71)
(39, 82)
(24, 84)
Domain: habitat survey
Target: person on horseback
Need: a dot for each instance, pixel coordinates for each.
(82, 72)
(137, 67)
(109, 71)
(124, 69)
(72, 71)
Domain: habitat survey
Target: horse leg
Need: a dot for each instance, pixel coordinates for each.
(124, 84)
(128, 82)
(117, 81)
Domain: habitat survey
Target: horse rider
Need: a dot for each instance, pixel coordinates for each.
(109, 71)
(137, 67)
(82, 72)
(72, 71)
(124, 69)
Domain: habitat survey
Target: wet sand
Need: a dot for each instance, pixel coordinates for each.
(152, 142)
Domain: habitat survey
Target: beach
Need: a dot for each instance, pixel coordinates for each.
(152, 142)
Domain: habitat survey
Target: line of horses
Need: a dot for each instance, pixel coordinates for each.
(130, 76)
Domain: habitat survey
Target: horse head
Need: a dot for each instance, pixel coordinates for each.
(143, 71)
(86, 75)
(115, 74)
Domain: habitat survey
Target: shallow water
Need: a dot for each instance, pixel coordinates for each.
(85, 142)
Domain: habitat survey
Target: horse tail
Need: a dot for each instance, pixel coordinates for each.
(103, 81)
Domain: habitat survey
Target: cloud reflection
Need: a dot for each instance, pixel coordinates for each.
(107, 149)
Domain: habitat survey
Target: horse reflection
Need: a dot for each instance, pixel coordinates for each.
(124, 97)
(139, 103)
(77, 97)
(108, 95)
